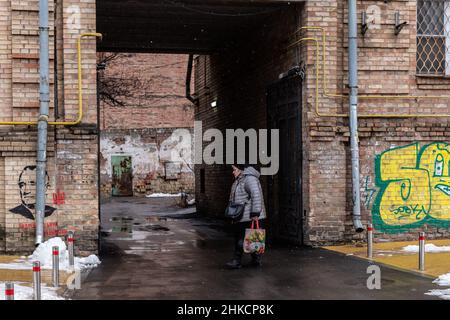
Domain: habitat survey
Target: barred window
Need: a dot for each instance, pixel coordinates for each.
(433, 37)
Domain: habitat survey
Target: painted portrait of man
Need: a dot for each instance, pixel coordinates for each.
(27, 187)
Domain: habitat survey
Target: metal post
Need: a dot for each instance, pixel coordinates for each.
(37, 280)
(422, 251)
(55, 265)
(44, 101)
(369, 241)
(9, 291)
(353, 108)
(70, 248)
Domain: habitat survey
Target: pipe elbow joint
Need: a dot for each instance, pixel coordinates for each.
(357, 224)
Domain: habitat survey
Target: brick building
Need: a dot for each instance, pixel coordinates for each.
(243, 47)
(143, 111)
(402, 130)
(72, 196)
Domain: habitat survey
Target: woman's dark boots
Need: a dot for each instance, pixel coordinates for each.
(256, 260)
(236, 262)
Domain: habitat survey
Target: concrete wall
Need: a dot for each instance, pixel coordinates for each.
(161, 159)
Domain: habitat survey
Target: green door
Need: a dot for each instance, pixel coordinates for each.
(122, 177)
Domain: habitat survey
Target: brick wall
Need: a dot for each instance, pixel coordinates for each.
(151, 93)
(2, 208)
(17, 153)
(237, 79)
(387, 65)
(143, 107)
(72, 152)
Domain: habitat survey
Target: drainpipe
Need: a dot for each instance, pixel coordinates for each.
(44, 100)
(353, 109)
(188, 81)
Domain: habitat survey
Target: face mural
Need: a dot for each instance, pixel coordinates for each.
(27, 188)
(414, 187)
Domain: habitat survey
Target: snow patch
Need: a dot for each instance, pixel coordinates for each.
(43, 254)
(428, 248)
(443, 294)
(442, 280)
(22, 292)
(162, 195)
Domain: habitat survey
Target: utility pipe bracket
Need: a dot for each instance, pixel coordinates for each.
(398, 26)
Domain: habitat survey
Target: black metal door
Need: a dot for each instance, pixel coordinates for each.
(285, 188)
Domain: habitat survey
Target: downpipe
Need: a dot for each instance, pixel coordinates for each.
(188, 81)
(353, 109)
(44, 101)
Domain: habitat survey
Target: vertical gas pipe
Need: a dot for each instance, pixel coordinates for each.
(353, 96)
(44, 100)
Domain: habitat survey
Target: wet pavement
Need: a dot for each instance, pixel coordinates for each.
(152, 249)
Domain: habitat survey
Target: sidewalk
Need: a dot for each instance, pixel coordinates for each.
(392, 254)
(12, 269)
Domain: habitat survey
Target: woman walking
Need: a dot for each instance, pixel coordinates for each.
(247, 190)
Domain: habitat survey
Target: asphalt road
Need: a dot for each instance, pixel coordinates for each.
(153, 250)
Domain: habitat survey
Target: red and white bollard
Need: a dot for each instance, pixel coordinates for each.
(422, 251)
(37, 280)
(55, 266)
(369, 241)
(9, 291)
(70, 248)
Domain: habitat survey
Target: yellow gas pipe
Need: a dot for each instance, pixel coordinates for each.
(335, 95)
(80, 92)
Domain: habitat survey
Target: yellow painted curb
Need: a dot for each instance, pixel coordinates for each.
(391, 254)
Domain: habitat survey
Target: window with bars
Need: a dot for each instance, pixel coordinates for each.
(433, 37)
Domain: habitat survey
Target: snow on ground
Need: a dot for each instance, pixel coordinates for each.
(43, 254)
(428, 248)
(160, 195)
(22, 292)
(442, 280)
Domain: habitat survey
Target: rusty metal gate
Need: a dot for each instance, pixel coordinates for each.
(122, 176)
(285, 188)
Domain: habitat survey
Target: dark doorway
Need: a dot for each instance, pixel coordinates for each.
(284, 189)
(122, 177)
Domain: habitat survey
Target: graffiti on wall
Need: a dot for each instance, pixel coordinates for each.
(414, 187)
(27, 190)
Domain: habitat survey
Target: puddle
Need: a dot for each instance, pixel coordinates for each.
(122, 229)
(122, 224)
(152, 227)
(116, 219)
(217, 227)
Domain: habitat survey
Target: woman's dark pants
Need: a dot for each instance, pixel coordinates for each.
(239, 234)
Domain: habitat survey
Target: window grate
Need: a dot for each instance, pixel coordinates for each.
(433, 37)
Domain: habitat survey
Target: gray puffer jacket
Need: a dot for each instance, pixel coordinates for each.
(247, 189)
